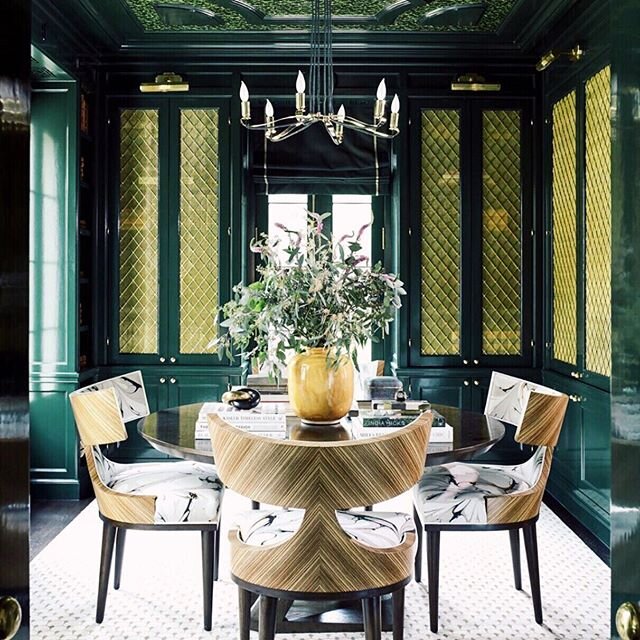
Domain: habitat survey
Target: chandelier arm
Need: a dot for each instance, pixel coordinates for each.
(353, 123)
(369, 128)
(280, 123)
(290, 131)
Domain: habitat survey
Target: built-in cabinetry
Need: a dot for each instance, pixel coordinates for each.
(169, 250)
(578, 259)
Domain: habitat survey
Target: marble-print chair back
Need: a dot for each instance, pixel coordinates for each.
(321, 478)
(130, 392)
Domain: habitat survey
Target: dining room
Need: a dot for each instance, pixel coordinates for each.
(339, 296)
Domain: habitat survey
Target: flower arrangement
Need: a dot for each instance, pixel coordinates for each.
(318, 296)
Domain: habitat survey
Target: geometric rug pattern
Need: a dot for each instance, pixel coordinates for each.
(160, 595)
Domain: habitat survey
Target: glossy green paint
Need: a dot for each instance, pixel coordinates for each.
(581, 474)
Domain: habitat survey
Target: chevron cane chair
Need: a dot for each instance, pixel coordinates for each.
(483, 497)
(160, 496)
(318, 548)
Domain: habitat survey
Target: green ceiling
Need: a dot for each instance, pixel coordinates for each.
(267, 15)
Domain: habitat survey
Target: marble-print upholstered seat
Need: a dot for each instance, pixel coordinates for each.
(319, 549)
(465, 496)
(373, 528)
(160, 496)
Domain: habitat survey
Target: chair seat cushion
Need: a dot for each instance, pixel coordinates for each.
(455, 493)
(374, 529)
(186, 492)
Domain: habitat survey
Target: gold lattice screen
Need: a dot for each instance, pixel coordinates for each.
(440, 232)
(199, 209)
(598, 223)
(501, 233)
(138, 265)
(564, 230)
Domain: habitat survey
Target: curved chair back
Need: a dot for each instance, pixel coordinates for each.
(98, 417)
(320, 477)
(341, 474)
(542, 420)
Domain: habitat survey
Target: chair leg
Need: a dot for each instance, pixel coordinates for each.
(514, 538)
(255, 505)
(398, 614)
(208, 560)
(433, 570)
(216, 559)
(417, 571)
(371, 615)
(108, 538)
(267, 624)
(244, 607)
(121, 535)
(531, 548)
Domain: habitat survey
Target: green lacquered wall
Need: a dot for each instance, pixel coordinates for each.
(55, 465)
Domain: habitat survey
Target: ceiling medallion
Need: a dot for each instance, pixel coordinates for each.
(321, 95)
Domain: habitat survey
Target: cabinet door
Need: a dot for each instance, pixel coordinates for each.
(451, 391)
(170, 259)
(473, 246)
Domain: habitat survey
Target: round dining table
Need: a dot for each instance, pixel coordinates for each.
(173, 430)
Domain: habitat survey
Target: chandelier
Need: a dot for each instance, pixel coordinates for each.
(321, 95)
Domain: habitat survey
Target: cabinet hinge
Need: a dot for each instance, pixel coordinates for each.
(409, 231)
(229, 231)
(533, 232)
(532, 122)
(409, 341)
(533, 343)
(108, 341)
(383, 240)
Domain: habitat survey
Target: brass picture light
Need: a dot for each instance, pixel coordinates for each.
(164, 83)
(550, 57)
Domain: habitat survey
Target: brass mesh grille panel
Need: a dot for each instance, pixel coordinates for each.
(501, 233)
(440, 266)
(199, 206)
(139, 231)
(598, 223)
(564, 230)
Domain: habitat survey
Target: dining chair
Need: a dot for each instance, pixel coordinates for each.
(483, 497)
(319, 548)
(159, 496)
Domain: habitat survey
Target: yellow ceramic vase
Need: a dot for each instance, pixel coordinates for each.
(320, 392)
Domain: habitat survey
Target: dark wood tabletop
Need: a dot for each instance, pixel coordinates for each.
(172, 431)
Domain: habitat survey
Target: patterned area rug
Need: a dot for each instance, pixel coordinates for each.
(160, 596)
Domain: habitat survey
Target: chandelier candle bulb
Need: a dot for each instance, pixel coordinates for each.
(395, 109)
(339, 123)
(381, 94)
(245, 105)
(300, 87)
(268, 114)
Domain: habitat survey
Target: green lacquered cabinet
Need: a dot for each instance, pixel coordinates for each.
(581, 473)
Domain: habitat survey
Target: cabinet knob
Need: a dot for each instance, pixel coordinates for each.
(466, 383)
(575, 398)
(577, 375)
(628, 621)
(163, 380)
(465, 362)
(172, 380)
(172, 359)
(476, 382)
(162, 359)
(476, 362)
(10, 617)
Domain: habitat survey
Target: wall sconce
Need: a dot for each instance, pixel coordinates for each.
(473, 82)
(550, 57)
(164, 83)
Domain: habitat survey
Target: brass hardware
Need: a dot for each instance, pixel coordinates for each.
(476, 362)
(172, 359)
(164, 83)
(172, 380)
(473, 82)
(550, 57)
(466, 383)
(628, 621)
(465, 362)
(476, 382)
(575, 398)
(162, 359)
(163, 380)
(10, 617)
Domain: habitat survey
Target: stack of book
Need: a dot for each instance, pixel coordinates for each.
(266, 423)
(380, 421)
